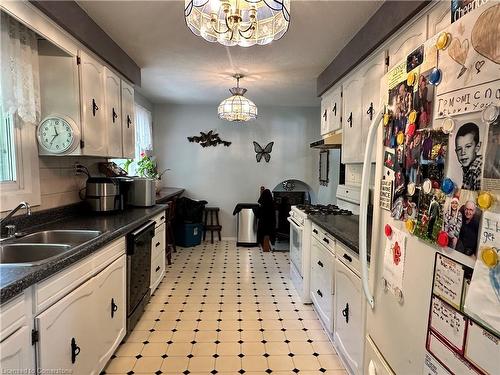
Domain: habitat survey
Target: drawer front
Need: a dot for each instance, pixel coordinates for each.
(324, 237)
(322, 266)
(160, 219)
(57, 286)
(158, 242)
(12, 316)
(157, 270)
(349, 258)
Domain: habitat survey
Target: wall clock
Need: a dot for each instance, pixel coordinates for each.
(58, 134)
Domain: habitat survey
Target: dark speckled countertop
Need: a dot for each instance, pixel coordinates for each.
(343, 228)
(14, 279)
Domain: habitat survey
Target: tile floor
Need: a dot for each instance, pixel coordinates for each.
(223, 309)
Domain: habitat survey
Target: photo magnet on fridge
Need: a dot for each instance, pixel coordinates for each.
(471, 214)
(433, 156)
(430, 215)
(491, 174)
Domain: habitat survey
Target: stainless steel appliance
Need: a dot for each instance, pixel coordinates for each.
(103, 194)
(142, 192)
(246, 224)
(138, 271)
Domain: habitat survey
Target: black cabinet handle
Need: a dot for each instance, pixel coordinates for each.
(75, 350)
(326, 240)
(157, 244)
(347, 257)
(129, 121)
(349, 120)
(158, 267)
(162, 218)
(324, 115)
(114, 307)
(315, 231)
(345, 313)
(319, 263)
(114, 115)
(319, 293)
(334, 109)
(370, 111)
(95, 108)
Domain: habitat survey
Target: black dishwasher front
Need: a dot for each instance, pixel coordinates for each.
(138, 271)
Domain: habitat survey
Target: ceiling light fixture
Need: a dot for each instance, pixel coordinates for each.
(238, 22)
(237, 108)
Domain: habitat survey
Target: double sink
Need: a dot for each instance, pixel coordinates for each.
(40, 247)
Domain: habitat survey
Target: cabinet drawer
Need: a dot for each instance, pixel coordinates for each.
(49, 291)
(157, 270)
(324, 237)
(348, 257)
(159, 219)
(158, 242)
(322, 278)
(12, 316)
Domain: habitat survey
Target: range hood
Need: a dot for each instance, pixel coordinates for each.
(330, 141)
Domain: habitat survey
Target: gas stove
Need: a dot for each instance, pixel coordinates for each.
(320, 209)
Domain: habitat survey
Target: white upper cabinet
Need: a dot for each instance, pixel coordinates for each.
(439, 18)
(370, 74)
(407, 41)
(112, 116)
(331, 110)
(351, 118)
(128, 120)
(93, 108)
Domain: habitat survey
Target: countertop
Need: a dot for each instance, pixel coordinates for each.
(343, 228)
(14, 279)
(167, 193)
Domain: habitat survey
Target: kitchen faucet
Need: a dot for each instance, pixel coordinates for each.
(11, 229)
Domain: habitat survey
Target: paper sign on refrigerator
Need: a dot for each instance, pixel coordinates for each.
(394, 261)
(483, 349)
(448, 280)
(448, 323)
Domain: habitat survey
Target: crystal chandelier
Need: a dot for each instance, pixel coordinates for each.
(238, 22)
(237, 107)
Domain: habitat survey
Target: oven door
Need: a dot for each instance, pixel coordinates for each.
(296, 232)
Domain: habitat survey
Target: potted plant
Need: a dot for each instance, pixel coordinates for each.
(147, 167)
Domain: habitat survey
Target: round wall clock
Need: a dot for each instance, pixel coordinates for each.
(288, 185)
(58, 134)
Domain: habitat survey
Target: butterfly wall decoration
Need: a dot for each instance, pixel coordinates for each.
(208, 139)
(263, 152)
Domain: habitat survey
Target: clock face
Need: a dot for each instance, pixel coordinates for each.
(56, 135)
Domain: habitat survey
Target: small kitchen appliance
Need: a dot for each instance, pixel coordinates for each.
(142, 192)
(103, 194)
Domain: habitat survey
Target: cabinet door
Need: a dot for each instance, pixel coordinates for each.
(113, 119)
(324, 113)
(409, 39)
(110, 287)
(16, 352)
(351, 120)
(93, 107)
(322, 263)
(128, 120)
(439, 18)
(371, 73)
(335, 109)
(68, 333)
(348, 324)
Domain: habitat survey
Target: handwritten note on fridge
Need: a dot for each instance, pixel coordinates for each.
(483, 349)
(448, 323)
(448, 280)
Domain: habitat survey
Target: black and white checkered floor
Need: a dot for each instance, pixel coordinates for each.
(223, 309)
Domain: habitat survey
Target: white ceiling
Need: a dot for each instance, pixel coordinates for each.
(179, 67)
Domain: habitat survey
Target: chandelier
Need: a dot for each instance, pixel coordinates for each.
(238, 22)
(237, 107)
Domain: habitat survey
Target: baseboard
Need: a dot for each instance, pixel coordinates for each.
(228, 238)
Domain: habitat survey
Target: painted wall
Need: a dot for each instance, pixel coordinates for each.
(225, 176)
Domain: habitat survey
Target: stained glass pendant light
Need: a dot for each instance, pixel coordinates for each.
(237, 107)
(238, 22)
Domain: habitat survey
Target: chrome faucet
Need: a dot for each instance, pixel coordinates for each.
(11, 229)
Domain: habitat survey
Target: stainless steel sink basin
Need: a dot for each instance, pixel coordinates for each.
(67, 237)
(30, 254)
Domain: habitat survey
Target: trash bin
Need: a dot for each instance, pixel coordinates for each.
(246, 224)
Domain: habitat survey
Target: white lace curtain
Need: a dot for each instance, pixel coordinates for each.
(20, 81)
(143, 131)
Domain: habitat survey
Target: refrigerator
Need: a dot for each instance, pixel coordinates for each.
(436, 308)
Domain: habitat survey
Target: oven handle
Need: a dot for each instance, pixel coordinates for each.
(300, 229)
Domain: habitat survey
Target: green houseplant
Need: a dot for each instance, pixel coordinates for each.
(147, 167)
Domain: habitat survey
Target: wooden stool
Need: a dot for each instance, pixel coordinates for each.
(213, 225)
(169, 223)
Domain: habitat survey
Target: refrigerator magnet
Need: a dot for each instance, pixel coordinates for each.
(490, 113)
(485, 200)
(427, 186)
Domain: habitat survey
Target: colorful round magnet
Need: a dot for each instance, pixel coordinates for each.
(410, 225)
(427, 186)
(411, 78)
(387, 117)
(435, 76)
(448, 125)
(490, 113)
(448, 186)
(410, 131)
(412, 116)
(489, 256)
(443, 40)
(387, 230)
(411, 188)
(485, 200)
(442, 239)
(400, 138)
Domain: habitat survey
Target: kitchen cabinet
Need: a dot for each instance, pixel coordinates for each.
(128, 120)
(331, 110)
(439, 18)
(351, 118)
(112, 117)
(158, 250)
(16, 352)
(92, 106)
(348, 334)
(408, 40)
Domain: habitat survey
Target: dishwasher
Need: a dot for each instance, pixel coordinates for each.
(138, 271)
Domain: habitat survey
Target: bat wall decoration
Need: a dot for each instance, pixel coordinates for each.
(208, 139)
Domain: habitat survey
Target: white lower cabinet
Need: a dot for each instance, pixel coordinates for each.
(16, 351)
(348, 335)
(81, 331)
